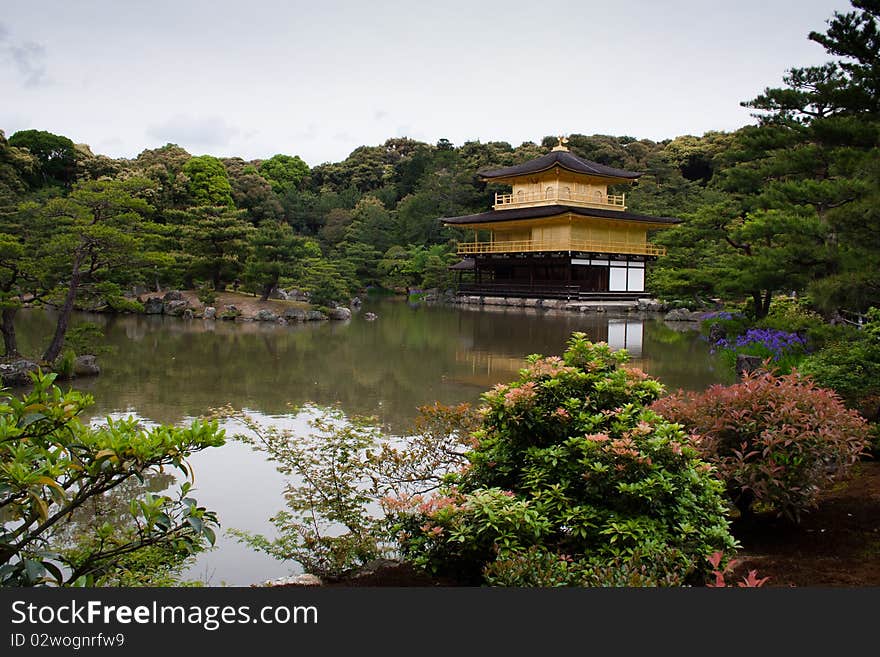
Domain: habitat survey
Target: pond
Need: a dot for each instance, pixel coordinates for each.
(170, 370)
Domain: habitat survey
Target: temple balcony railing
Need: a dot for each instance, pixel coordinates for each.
(583, 246)
(559, 197)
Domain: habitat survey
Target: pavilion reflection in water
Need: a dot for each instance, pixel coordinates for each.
(490, 366)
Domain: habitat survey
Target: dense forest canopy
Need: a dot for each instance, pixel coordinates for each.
(789, 204)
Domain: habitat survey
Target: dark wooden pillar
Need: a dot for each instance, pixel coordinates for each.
(568, 277)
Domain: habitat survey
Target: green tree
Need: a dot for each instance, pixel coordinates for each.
(284, 172)
(55, 155)
(275, 252)
(325, 282)
(164, 166)
(398, 269)
(93, 236)
(208, 181)
(371, 224)
(363, 260)
(855, 38)
(13, 286)
(54, 464)
(800, 189)
(17, 166)
(216, 240)
(251, 192)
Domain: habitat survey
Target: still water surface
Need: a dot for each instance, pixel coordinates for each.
(170, 370)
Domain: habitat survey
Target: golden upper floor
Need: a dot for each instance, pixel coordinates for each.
(560, 178)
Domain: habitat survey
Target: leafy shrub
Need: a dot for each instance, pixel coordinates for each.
(852, 369)
(66, 364)
(344, 473)
(726, 323)
(230, 313)
(207, 295)
(792, 316)
(86, 338)
(751, 580)
(569, 463)
(107, 295)
(123, 305)
(53, 464)
(537, 567)
(325, 283)
(328, 528)
(776, 440)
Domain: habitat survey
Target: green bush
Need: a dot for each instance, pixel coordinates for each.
(207, 295)
(86, 338)
(568, 464)
(790, 315)
(777, 441)
(326, 284)
(537, 567)
(852, 369)
(727, 323)
(66, 364)
(54, 465)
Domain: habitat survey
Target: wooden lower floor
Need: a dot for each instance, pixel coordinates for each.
(568, 275)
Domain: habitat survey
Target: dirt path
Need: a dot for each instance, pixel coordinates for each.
(836, 545)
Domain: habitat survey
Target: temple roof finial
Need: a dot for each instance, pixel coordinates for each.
(561, 146)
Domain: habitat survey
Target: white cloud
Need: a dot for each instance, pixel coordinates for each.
(28, 58)
(194, 133)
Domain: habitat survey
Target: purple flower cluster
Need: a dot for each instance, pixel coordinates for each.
(720, 314)
(777, 343)
(772, 339)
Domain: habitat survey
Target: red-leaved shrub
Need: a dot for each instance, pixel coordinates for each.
(775, 440)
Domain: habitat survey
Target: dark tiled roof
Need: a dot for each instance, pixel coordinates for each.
(464, 265)
(565, 160)
(542, 211)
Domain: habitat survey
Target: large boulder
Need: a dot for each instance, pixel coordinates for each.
(292, 295)
(210, 313)
(315, 316)
(651, 305)
(230, 312)
(154, 306)
(340, 313)
(17, 372)
(175, 307)
(305, 579)
(682, 315)
(295, 315)
(264, 315)
(746, 364)
(717, 333)
(86, 365)
(172, 295)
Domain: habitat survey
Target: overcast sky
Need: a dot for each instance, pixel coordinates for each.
(318, 79)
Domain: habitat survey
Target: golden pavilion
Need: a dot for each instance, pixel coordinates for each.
(558, 233)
